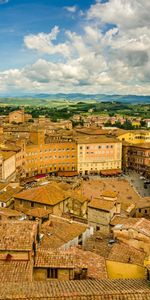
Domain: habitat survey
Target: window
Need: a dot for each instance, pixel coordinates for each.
(32, 204)
(97, 228)
(145, 211)
(52, 273)
(139, 210)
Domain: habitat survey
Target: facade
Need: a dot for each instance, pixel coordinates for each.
(135, 137)
(51, 156)
(96, 154)
(137, 157)
(7, 165)
(101, 211)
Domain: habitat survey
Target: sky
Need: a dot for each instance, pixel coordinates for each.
(74, 46)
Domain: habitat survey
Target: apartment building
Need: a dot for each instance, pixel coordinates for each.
(49, 155)
(98, 153)
(137, 157)
(134, 136)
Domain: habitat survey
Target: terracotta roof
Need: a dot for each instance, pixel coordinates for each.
(50, 194)
(17, 235)
(121, 220)
(76, 290)
(37, 212)
(8, 212)
(16, 271)
(93, 188)
(95, 264)
(101, 204)
(9, 193)
(58, 231)
(99, 244)
(141, 225)
(126, 254)
(96, 139)
(50, 259)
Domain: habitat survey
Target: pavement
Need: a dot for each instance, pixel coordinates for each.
(138, 184)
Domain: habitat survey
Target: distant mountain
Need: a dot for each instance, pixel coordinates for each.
(45, 98)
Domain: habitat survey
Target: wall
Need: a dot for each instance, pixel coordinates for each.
(63, 274)
(9, 167)
(16, 116)
(93, 158)
(16, 255)
(99, 218)
(118, 270)
(51, 157)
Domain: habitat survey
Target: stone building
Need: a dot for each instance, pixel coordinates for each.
(102, 210)
(49, 196)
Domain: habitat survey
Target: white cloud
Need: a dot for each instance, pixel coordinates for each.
(71, 9)
(114, 60)
(43, 43)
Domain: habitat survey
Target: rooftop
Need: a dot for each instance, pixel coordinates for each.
(76, 290)
(58, 231)
(16, 271)
(126, 254)
(50, 194)
(17, 235)
(93, 188)
(102, 204)
(9, 193)
(141, 225)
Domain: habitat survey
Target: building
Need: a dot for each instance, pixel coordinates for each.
(7, 165)
(77, 290)
(97, 154)
(49, 155)
(135, 234)
(7, 196)
(19, 116)
(137, 157)
(133, 136)
(60, 233)
(49, 197)
(102, 210)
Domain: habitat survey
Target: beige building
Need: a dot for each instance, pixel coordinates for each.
(102, 210)
(7, 165)
(96, 154)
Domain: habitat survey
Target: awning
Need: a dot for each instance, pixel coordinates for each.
(111, 172)
(67, 173)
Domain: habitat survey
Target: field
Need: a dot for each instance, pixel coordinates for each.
(65, 107)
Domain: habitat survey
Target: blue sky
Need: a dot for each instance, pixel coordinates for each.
(22, 17)
(84, 46)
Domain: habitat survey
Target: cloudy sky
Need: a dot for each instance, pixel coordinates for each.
(87, 46)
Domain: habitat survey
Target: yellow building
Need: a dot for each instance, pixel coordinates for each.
(134, 136)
